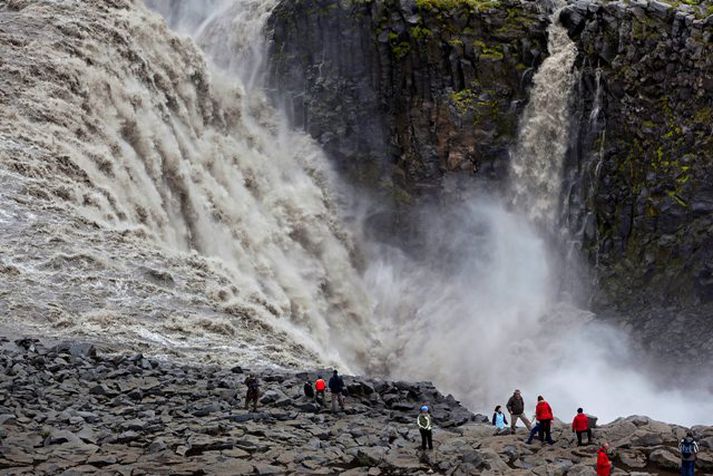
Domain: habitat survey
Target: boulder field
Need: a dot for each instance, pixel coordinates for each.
(70, 409)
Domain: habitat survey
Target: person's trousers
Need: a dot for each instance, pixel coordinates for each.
(521, 416)
(535, 430)
(426, 438)
(252, 396)
(319, 397)
(589, 436)
(337, 398)
(687, 468)
(545, 430)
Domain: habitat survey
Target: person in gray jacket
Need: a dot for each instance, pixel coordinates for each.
(516, 407)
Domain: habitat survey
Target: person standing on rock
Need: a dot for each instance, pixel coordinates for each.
(253, 391)
(308, 390)
(516, 407)
(425, 428)
(603, 463)
(320, 387)
(543, 413)
(336, 386)
(688, 448)
(499, 420)
(580, 425)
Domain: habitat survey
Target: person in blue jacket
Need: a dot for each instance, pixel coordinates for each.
(499, 420)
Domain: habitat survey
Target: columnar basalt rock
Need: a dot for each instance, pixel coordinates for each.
(642, 168)
(402, 92)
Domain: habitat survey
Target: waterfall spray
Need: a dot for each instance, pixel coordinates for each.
(170, 208)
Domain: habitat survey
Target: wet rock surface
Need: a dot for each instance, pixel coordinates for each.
(642, 171)
(87, 412)
(400, 93)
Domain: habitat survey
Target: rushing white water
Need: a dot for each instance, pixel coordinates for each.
(544, 131)
(149, 200)
(189, 198)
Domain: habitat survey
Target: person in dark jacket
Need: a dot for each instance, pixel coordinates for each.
(543, 413)
(308, 390)
(516, 407)
(336, 386)
(580, 425)
(253, 391)
(689, 449)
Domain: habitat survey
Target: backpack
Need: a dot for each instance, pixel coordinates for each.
(687, 448)
(320, 385)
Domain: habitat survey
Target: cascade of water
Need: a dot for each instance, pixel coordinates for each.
(170, 208)
(207, 179)
(536, 170)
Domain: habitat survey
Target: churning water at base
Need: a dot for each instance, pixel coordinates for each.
(147, 201)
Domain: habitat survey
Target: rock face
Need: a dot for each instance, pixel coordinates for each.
(66, 412)
(402, 92)
(641, 170)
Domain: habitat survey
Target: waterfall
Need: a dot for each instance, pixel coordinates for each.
(536, 170)
(151, 195)
(170, 205)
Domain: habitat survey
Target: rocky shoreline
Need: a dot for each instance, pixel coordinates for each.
(69, 409)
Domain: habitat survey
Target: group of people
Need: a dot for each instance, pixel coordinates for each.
(314, 392)
(318, 391)
(543, 420)
(580, 426)
(515, 406)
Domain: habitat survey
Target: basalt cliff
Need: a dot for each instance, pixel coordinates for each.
(416, 98)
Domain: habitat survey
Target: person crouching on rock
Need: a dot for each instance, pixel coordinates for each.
(253, 391)
(336, 386)
(320, 387)
(308, 390)
(543, 413)
(425, 428)
(580, 425)
(499, 421)
(535, 430)
(603, 463)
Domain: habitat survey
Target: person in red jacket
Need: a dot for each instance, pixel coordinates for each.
(603, 463)
(320, 387)
(580, 425)
(543, 413)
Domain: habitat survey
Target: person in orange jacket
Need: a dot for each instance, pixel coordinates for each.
(320, 388)
(580, 425)
(543, 413)
(603, 463)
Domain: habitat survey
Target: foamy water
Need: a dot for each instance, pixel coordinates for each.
(151, 200)
(162, 204)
